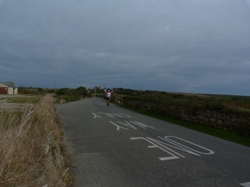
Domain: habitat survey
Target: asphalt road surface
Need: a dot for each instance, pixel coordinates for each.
(115, 147)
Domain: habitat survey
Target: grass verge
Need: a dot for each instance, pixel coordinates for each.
(32, 152)
(212, 131)
(22, 99)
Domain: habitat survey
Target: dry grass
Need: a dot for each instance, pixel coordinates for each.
(31, 149)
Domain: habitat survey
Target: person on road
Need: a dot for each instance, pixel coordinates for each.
(108, 95)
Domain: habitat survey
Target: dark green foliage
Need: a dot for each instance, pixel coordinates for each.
(234, 110)
(65, 91)
(81, 91)
(177, 107)
(69, 98)
(189, 102)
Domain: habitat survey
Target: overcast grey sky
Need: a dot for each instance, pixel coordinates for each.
(197, 46)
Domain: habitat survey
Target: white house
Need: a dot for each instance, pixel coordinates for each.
(8, 88)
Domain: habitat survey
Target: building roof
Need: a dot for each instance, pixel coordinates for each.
(8, 84)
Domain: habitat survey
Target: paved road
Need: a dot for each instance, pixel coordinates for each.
(115, 147)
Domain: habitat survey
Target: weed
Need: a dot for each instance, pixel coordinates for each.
(30, 153)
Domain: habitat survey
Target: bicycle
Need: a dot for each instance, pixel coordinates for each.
(107, 101)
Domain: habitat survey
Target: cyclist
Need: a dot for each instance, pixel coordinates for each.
(108, 95)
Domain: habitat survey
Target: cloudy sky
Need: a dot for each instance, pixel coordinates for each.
(196, 46)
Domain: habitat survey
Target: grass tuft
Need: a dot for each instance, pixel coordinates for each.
(30, 149)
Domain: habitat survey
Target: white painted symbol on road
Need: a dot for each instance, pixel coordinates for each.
(186, 148)
(246, 184)
(122, 115)
(96, 116)
(163, 148)
(192, 148)
(131, 124)
(118, 127)
(107, 114)
(127, 124)
(142, 125)
(114, 115)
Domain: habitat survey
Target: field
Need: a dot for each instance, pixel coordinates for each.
(27, 99)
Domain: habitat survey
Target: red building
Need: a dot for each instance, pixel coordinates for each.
(8, 88)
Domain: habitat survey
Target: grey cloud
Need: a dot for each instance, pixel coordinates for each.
(172, 45)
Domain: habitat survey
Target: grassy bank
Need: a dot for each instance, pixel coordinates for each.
(201, 128)
(32, 99)
(190, 109)
(31, 150)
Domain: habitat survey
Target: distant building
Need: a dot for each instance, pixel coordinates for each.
(8, 88)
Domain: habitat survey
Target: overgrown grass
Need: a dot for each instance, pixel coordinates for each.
(170, 106)
(6, 115)
(32, 152)
(192, 102)
(22, 99)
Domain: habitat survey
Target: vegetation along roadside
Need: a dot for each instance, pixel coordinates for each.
(32, 152)
(223, 116)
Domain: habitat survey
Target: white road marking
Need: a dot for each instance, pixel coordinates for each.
(127, 124)
(165, 149)
(167, 138)
(96, 116)
(125, 115)
(107, 114)
(163, 144)
(168, 145)
(142, 125)
(132, 124)
(118, 127)
(246, 184)
(115, 115)
(121, 115)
